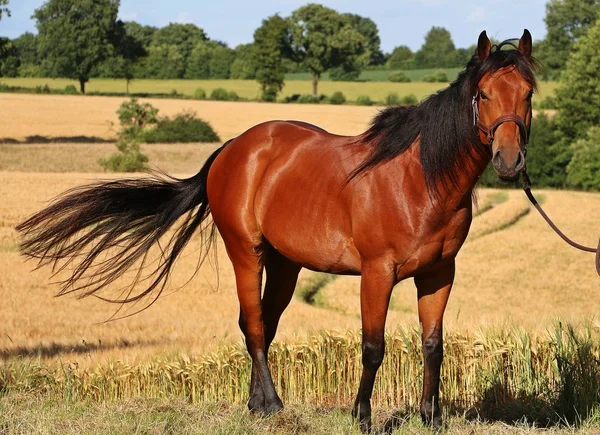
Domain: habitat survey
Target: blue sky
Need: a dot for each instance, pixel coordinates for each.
(400, 21)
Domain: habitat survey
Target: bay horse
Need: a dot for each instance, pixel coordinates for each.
(392, 203)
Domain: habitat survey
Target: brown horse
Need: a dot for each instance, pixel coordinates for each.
(392, 203)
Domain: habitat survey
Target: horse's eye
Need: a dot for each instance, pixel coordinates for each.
(530, 96)
(483, 96)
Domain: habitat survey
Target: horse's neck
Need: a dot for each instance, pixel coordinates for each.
(470, 171)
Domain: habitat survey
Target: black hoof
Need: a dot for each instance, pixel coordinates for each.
(272, 408)
(256, 404)
(436, 422)
(363, 415)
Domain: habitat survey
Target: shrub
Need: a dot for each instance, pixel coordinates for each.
(398, 77)
(174, 93)
(337, 98)
(269, 93)
(199, 94)
(392, 99)
(70, 90)
(184, 127)
(219, 94)
(548, 103)
(438, 76)
(344, 74)
(364, 100)
(129, 159)
(134, 118)
(292, 98)
(232, 96)
(308, 99)
(410, 100)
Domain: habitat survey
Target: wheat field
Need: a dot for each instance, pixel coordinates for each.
(514, 279)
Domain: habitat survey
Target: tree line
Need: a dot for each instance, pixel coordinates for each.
(84, 39)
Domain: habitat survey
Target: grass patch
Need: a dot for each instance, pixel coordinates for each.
(309, 290)
(506, 375)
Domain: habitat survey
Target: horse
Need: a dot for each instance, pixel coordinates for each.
(392, 203)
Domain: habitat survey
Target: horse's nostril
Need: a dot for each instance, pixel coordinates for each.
(520, 161)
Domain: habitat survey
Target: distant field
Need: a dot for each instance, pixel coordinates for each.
(250, 89)
(414, 75)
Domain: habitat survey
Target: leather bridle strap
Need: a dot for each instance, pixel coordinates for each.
(527, 189)
(490, 130)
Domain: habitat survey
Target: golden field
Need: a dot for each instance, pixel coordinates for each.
(512, 271)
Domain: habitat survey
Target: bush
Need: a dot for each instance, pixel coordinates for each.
(438, 76)
(199, 94)
(174, 93)
(344, 74)
(392, 99)
(70, 90)
(184, 127)
(134, 118)
(269, 94)
(42, 89)
(130, 159)
(398, 77)
(308, 99)
(292, 98)
(364, 100)
(583, 171)
(337, 98)
(410, 100)
(232, 96)
(220, 94)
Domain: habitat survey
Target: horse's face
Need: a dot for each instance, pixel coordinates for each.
(504, 106)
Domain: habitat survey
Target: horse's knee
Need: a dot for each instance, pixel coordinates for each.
(433, 347)
(373, 353)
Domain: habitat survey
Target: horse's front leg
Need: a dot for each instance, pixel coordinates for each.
(376, 288)
(433, 290)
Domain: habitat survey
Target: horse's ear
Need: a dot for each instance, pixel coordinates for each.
(526, 44)
(484, 46)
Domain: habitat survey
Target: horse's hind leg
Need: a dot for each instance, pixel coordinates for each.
(282, 275)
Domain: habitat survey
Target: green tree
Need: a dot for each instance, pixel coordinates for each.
(198, 66)
(566, 22)
(183, 36)
(4, 9)
(438, 51)
(583, 171)
(142, 34)
(164, 62)
(578, 94)
(400, 58)
(75, 36)
(244, 64)
(272, 45)
(322, 39)
(220, 61)
(370, 31)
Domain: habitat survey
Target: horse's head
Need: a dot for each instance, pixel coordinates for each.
(502, 104)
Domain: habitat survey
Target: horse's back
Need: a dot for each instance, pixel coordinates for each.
(284, 180)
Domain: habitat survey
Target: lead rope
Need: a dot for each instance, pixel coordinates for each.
(527, 189)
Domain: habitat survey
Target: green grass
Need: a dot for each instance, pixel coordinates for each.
(249, 89)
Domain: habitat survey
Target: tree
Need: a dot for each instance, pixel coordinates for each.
(4, 9)
(198, 65)
(244, 64)
(75, 36)
(142, 34)
(220, 61)
(127, 50)
(578, 93)
(164, 62)
(583, 171)
(183, 36)
(322, 39)
(566, 22)
(438, 51)
(400, 58)
(272, 42)
(370, 31)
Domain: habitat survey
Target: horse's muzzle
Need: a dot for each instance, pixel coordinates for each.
(508, 168)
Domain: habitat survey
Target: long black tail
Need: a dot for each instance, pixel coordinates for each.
(126, 218)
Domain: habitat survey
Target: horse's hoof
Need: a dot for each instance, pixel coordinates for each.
(272, 408)
(256, 404)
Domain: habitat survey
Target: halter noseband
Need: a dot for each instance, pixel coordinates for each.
(489, 130)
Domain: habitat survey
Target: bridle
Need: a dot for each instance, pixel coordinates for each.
(490, 130)
(525, 131)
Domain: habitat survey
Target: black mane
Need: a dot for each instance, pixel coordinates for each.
(443, 122)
